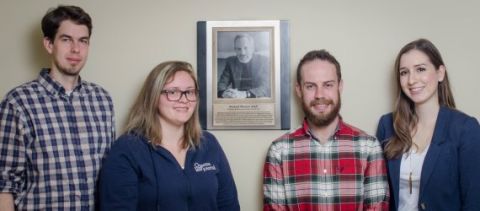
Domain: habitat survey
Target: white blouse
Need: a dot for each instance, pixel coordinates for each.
(411, 166)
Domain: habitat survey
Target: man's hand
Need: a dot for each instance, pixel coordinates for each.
(6, 202)
(234, 93)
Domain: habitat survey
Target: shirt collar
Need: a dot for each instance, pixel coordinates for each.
(55, 87)
(340, 130)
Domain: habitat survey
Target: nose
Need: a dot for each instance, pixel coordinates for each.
(75, 47)
(243, 51)
(319, 93)
(412, 77)
(183, 97)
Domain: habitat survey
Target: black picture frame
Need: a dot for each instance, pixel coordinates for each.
(267, 104)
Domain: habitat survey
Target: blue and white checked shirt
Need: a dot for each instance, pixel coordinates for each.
(52, 144)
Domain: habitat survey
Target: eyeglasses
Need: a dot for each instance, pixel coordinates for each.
(175, 94)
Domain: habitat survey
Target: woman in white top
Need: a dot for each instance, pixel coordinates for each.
(432, 149)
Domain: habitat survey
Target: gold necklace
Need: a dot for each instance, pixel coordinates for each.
(410, 181)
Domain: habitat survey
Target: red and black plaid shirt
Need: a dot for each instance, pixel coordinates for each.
(346, 173)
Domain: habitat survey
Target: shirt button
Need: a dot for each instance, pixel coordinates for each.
(324, 171)
(423, 206)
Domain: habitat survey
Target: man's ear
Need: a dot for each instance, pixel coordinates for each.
(340, 86)
(298, 90)
(48, 45)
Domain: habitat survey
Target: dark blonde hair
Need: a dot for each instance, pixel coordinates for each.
(143, 116)
(405, 118)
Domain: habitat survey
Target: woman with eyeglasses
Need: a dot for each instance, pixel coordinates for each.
(164, 161)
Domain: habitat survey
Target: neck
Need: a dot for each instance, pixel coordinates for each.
(324, 132)
(427, 113)
(67, 81)
(172, 135)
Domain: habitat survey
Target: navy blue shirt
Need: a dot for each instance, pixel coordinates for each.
(139, 176)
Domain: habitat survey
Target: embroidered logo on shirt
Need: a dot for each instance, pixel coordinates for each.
(204, 167)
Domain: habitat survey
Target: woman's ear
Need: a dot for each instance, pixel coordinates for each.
(441, 73)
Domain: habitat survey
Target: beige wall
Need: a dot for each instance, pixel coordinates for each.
(129, 38)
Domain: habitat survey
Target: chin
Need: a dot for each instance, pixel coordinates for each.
(417, 99)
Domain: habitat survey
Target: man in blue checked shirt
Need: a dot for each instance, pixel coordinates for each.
(55, 130)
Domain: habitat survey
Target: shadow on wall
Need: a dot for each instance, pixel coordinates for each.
(38, 57)
(393, 85)
(260, 181)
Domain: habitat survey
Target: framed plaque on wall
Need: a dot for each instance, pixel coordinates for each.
(243, 74)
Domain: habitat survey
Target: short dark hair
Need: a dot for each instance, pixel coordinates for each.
(323, 55)
(54, 17)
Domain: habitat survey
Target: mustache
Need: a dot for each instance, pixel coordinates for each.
(322, 100)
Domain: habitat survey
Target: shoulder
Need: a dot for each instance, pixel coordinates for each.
(128, 152)
(386, 119)
(130, 142)
(458, 120)
(259, 58)
(208, 141)
(282, 146)
(385, 127)
(283, 142)
(385, 123)
(351, 132)
(93, 88)
(455, 115)
(22, 91)
(231, 60)
(22, 96)
(292, 135)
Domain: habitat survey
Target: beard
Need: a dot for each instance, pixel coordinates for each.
(245, 58)
(73, 70)
(322, 120)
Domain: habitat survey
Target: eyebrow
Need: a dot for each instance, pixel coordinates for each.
(65, 36)
(421, 64)
(178, 88)
(70, 37)
(329, 81)
(417, 65)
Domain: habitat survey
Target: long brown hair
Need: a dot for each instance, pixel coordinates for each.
(405, 118)
(143, 116)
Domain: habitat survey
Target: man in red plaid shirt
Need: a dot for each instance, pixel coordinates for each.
(326, 164)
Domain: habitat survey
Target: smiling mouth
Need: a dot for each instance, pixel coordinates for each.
(416, 90)
(182, 109)
(320, 107)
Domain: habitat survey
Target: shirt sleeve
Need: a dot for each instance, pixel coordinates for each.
(113, 122)
(376, 192)
(226, 78)
(380, 130)
(227, 198)
(273, 181)
(469, 156)
(12, 148)
(118, 187)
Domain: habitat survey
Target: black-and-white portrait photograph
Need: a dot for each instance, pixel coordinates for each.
(243, 74)
(244, 64)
